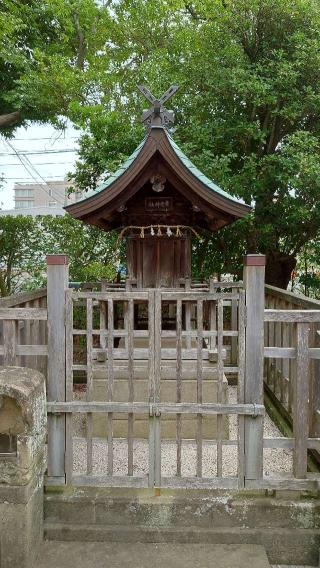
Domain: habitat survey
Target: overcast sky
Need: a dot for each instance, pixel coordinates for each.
(41, 156)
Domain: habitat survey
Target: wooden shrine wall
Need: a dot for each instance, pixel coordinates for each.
(156, 262)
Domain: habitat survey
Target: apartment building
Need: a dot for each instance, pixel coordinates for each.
(52, 195)
(41, 199)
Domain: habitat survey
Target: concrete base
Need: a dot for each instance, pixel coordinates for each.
(21, 522)
(88, 555)
(287, 526)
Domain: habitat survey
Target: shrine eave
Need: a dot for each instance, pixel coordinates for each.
(128, 179)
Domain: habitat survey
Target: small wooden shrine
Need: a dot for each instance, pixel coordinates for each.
(157, 199)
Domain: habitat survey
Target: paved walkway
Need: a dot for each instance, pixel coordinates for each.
(123, 555)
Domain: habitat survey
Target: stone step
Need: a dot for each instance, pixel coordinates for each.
(184, 508)
(142, 555)
(283, 545)
(287, 527)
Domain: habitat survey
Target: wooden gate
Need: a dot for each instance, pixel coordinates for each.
(153, 409)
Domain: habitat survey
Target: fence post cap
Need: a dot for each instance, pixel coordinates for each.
(254, 260)
(57, 259)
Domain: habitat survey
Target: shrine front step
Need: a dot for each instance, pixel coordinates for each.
(287, 526)
(141, 555)
(168, 389)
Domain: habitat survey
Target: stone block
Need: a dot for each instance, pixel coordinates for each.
(22, 464)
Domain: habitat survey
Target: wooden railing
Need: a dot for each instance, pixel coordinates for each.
(23, 330)
(282, 339)
(289, 334)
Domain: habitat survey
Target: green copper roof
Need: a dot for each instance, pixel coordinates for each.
(121, 170)
(184, 159)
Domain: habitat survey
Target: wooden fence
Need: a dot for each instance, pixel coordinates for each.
(215, 322)
(23, 330)
(280, 372)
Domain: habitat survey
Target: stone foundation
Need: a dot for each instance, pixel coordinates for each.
(287, 524)
(22, 464)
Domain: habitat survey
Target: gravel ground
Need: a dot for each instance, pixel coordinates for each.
(275, 460)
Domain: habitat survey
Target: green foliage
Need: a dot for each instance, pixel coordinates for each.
(19, 238)
(307, 276)
(248, 109)
(247, 112)
(45, 53)
(25, 241)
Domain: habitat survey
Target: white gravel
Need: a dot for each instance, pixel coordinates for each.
(275, 460)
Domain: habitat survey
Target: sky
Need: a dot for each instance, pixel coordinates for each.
(36, 153)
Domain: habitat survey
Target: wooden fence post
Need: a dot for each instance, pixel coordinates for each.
(254, 271)
(58, 276)
(301, 403)
(9, 342)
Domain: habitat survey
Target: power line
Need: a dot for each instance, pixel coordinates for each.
(37, 164)
(25, 178)
(30, 172)
(50, 138)
(40, 152)
(40, 176)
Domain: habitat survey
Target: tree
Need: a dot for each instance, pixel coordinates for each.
(307, 275)
(19, 252)
(93, 254)
(25, 242)
(248, 111)
(45, 50)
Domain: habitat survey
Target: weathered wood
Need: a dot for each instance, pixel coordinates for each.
(21, 298)
(297, 316)
(9, 342)
(301, 401)
(130, 326)
(110, 385)
(117, 296)
(151, 373)
(109, 481)
(31, 350)
(234, 327)
(254, 285)
(157, 385)
(162, 407)
(89, 383)
(69, 387)
(314, 353)
(220, 387)
(57, 285)
(240, 389)
(280, 352)
(201, 483)
(283, 483)
(179, 381)
(199, 385)
(291, 298)
(23, 314)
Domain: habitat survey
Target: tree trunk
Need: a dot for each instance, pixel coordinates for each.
(10, 119)
(278, 269)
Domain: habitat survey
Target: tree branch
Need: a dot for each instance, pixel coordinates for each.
(9, 119)
(81, 42)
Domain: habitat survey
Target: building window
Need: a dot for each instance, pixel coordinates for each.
(23, 193)
(52, 204)
(24, 204)
(50, 192)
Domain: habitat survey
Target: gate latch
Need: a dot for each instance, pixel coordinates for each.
(154, 411)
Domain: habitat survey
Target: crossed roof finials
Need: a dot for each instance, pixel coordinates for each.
(157, 115)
